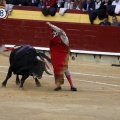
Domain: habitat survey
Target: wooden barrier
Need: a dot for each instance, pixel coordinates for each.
(82, 36)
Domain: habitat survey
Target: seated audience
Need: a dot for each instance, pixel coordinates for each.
(9, 6)
(20, 2)
(115, 21)
(40, 4)
(1, 2)
(60, 3)
(49, 7)
(50, 3)
(93, 12)
(77, 4)
(105, 22)
(105, 3)
(103, 8)
(68, 4)
(32, 2)
(116, 2)
(87, 5)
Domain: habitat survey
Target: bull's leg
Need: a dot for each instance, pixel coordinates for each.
(38, 84)
(9, 74)
(17, 80)
(24, 77)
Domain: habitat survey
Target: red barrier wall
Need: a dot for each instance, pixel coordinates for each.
(81, 36)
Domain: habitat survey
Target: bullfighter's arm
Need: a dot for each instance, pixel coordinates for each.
(61, 33)
(55, 28)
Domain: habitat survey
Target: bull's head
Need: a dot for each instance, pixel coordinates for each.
(38, 68)
(48, 71)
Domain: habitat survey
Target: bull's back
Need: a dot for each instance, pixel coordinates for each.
(12, 55)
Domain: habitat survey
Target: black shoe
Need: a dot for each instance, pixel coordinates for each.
(57, 88)
(73, 89)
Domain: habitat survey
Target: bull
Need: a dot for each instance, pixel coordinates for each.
(26, 61)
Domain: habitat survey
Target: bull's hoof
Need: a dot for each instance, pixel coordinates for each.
(38, 85)
(73, 89)
(21, 88)
(3, 85)
(57, 88)
(18, 83)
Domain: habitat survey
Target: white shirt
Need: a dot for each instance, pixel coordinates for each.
(97, 5)
(116, 3)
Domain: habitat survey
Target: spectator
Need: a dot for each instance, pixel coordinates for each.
(20, 2)
(40, 4)
(87, 5)
(116, 2)
(1, 2)
(97, 4)
(93, 12)
(60, 3)
(49, 7)
(68, 4)
(105, 21)
(105, 3)
(50, 3)
(59, 51)
(9, 6)
(77, 4)
(103, 8)
(115, 21)
(9, 2)
(32, 2)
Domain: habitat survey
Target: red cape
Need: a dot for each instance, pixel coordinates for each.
(59, 55)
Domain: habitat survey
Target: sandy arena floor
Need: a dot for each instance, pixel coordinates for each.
(97, 98)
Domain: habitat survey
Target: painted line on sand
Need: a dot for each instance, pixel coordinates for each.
(94, 82)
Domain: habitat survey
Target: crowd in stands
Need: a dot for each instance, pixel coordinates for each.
(93, 7)
(84, 5)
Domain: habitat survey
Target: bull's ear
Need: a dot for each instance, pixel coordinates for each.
(39, 58)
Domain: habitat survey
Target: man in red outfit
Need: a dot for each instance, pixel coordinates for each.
(49, 3)
(59, 51)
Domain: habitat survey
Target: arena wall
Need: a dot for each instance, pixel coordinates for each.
(82, 37)
(27, 25)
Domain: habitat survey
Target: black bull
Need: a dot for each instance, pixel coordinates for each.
(26, 64)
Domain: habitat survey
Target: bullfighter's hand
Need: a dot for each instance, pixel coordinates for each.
(48, 23)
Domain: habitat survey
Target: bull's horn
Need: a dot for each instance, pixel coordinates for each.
(47, 71)
(39, 58)
(15, 47)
